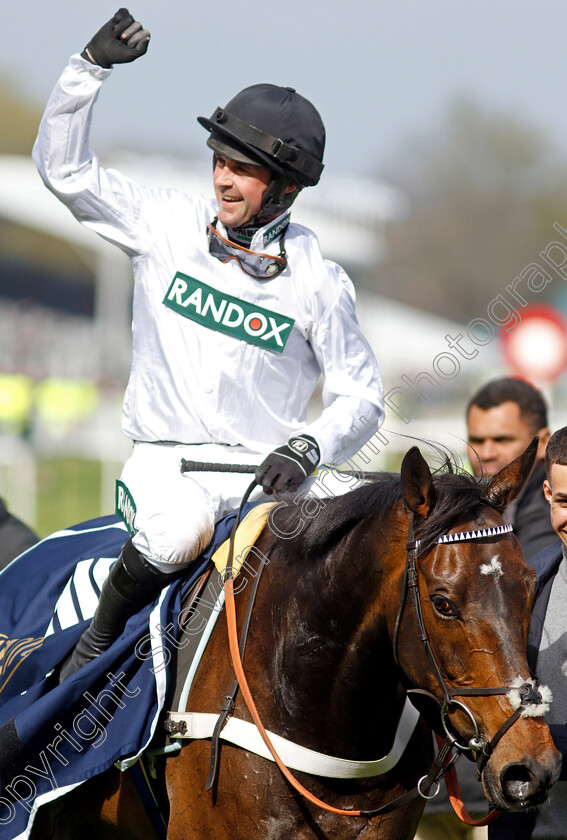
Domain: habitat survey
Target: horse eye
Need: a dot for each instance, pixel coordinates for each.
(443, 606)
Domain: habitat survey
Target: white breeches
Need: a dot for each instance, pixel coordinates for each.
(175, 513)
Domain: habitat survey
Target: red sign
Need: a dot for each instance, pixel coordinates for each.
(537, 347)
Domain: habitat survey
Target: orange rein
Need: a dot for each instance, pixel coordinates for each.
(456, 800)
(247, 694)
(450, 778)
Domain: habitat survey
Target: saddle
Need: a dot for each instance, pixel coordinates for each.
(205, 598)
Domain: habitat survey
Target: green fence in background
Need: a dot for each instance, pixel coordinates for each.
(68, 492)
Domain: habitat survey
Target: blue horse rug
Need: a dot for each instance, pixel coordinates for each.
(54, 737)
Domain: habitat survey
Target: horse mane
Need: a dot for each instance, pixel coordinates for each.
(457, 493)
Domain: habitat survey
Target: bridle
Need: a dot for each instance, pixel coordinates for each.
(527, 693)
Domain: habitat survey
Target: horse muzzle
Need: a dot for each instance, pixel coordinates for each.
(523, 785)
(519, 764)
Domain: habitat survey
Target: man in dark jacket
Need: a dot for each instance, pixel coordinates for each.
(15, 537)
(502, 418)
(547, 652)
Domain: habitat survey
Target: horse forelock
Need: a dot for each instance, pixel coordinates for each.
(457, 495)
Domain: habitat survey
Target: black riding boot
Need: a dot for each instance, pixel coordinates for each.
(132, 582)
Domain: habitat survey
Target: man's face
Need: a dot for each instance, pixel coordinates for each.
(498, 435)
(239, 188)
(555, 491)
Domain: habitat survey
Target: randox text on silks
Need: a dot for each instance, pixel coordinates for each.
(230, 315)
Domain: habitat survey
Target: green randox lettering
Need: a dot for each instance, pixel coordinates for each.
(210, 305)
(195, 300)
(233, 316)
(230, 315)
(276, 229)
(125, 507)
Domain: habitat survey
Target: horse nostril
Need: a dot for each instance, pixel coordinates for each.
(520, 786)
(516, 781)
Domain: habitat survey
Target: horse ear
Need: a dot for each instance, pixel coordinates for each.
(417, 485)
(507, 483)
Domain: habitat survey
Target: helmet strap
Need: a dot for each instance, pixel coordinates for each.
(275, 200)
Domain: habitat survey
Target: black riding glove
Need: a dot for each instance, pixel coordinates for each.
(288, 466)
(120, 40)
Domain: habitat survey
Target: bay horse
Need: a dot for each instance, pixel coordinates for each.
(334, 641)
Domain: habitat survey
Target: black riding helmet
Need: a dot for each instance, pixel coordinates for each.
(275, 127)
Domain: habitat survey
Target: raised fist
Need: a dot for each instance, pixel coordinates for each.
(120, 40)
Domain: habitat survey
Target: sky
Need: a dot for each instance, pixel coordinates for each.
(379, 72)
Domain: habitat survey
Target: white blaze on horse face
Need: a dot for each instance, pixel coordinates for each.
(492, 568)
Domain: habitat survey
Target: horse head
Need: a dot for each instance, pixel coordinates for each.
(471, 595)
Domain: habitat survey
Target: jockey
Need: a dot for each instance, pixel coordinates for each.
(236, 315)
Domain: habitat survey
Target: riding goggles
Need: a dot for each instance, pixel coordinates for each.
(253, 263)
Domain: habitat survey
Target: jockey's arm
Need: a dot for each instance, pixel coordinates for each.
(101, 199)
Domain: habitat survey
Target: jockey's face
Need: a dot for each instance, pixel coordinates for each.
(239, 188)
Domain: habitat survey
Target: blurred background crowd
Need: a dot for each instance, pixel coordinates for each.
(439, 199)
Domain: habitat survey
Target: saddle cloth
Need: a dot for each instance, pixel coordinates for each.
(53, 737)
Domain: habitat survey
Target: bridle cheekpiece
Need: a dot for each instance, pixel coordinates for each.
(526, 697)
